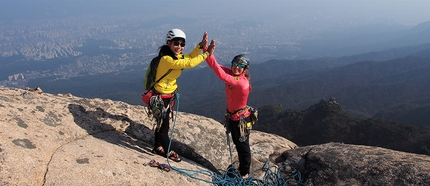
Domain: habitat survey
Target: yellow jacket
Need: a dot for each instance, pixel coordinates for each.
(168, 84)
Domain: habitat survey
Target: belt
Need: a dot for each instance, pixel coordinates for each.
(166, 95)
(237, 111)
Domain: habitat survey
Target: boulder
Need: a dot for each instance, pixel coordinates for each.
(61, 139)
(346, 164)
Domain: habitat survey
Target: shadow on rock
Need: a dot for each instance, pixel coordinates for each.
(92, 122)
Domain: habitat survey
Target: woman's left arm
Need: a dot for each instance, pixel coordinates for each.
(195, 52)
(185, 62)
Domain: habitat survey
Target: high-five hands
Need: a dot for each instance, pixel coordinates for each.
(204, 41)
(211, 47)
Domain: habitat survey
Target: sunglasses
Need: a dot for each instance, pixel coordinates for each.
(240, 65)
(177, 43)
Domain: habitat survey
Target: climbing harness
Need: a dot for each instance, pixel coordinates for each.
(157, 110)
(245, 126)
(273, 176)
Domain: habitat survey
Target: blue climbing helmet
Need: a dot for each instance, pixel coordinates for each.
(241, 61)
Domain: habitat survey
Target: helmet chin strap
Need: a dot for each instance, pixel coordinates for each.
(240, 73)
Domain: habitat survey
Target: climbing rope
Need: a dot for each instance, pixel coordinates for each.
(231, 177)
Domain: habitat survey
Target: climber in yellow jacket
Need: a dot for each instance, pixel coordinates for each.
(173, 58)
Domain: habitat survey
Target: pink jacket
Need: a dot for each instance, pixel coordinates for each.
(236, 87)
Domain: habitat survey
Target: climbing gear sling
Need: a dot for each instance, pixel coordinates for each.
(153, 99)
(244, 125)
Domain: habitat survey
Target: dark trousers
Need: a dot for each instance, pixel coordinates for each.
(242, 148)
(162, 135)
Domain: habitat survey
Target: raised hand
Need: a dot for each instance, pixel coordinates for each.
(211, 47)
(204, 41)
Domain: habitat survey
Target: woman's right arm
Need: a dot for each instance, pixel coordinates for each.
(222, 72)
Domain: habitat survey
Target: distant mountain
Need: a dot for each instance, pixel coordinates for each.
(423, 53)
(393, 53)
(419, 34)
(364, 88)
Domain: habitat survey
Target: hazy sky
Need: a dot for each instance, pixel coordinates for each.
(340, 11)
(403, 11)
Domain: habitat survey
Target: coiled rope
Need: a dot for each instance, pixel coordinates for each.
(273, 175)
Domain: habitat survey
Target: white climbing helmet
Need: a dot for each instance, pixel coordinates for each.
(175, 33)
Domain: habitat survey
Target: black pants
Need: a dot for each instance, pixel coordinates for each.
(242, 148)
(162, 135)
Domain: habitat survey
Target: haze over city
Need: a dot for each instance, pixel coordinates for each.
(273, 21)
(98, 36)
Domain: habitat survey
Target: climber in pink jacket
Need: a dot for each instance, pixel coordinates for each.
(237, 88)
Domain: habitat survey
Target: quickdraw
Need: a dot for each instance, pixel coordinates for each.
(244, 131)
(161, 166)
(156, 109)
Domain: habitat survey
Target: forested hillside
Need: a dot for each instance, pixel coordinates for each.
(327, 122)
(409, 114)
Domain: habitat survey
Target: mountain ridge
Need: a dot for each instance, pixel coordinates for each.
(300, 90)
(206, 97)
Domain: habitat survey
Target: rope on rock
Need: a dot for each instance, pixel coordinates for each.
(273, 175)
